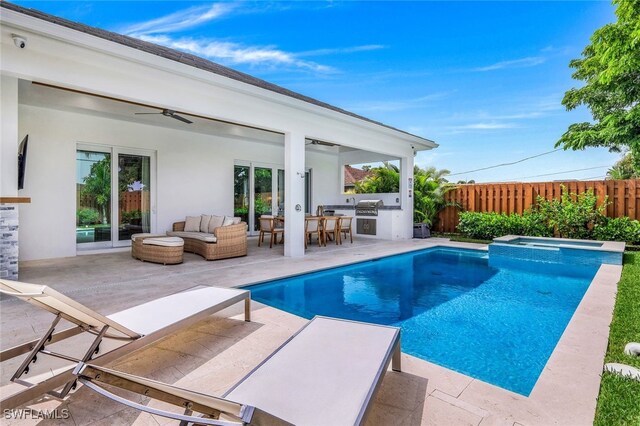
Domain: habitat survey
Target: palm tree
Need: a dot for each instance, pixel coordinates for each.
(384, 179)
(430, 187)
(623, 169)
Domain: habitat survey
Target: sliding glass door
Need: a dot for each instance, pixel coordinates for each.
(114, 195)
(259, 190)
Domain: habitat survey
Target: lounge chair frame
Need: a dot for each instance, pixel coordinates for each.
(87, 321)
(217, 411)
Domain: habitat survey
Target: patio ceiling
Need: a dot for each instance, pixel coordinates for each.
(45, 96)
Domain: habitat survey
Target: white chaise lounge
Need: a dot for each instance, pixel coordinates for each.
(113, 335)
(326, 374)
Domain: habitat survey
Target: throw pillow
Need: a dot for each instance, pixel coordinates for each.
(237, 220)
(216, 222)
(192, 224)
(227, 221)
(204, 222)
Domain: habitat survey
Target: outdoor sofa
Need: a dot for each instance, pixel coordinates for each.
(212, 237)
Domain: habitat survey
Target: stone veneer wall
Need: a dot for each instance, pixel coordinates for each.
(9, 241)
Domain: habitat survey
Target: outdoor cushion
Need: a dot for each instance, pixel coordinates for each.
(202, 236)
(145, 235)
(204, 222)
(164, 241)
(192, 224)
(236, 220)
(216, 222)
(227, 221)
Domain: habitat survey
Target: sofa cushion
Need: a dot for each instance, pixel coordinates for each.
(192, 224)
(202, 236)
(145, 235)
(204, 222)
(216, 222)
(164, 241)
(237, 220)
(227, 221)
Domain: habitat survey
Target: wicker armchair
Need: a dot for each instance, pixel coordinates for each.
(231, 241)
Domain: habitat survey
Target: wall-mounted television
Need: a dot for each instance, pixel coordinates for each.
(22, 161)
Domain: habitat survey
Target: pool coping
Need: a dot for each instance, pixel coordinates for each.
(566, 390)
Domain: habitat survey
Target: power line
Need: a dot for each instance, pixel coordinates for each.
(506, 164)
(560, 173)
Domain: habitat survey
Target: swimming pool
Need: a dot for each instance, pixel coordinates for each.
(499, 325)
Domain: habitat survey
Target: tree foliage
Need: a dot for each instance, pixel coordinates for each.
(610, 69)
(429, 189)
(383, 180)
(623, 169)
(98, 185)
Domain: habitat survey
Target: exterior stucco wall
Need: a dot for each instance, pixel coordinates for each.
(194, 173)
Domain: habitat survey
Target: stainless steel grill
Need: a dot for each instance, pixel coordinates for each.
(368, 207)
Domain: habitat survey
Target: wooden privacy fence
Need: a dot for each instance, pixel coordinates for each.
(623, 197)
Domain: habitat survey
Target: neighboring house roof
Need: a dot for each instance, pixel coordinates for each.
(187, 59)
(353, 175)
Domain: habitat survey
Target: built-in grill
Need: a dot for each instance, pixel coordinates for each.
(368, 207)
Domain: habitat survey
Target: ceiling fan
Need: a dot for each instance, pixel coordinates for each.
(167, 113)
(317, 142)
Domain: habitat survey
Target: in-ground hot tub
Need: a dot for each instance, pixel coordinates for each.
(556, 250)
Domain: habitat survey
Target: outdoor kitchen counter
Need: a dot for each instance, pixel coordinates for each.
(351, 207)
(388, 221)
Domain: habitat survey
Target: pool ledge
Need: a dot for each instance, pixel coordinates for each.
(609, 246)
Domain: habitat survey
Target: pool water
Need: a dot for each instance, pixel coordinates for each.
(499, 325)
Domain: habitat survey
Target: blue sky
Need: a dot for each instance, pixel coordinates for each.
(483, 79)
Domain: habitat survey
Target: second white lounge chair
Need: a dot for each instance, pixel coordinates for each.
(328, 373)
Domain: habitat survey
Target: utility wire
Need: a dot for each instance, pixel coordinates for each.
(560, 173)
(506, 164)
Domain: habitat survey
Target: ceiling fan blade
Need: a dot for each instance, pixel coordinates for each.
(177, 117)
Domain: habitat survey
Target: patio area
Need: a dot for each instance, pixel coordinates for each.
(213, 355)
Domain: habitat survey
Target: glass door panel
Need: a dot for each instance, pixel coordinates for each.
(280, 206)
(93, 198)
(241, 194)
(134, 195)
(263, 193)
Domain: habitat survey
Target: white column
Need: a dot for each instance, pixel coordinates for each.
(9, 136)
(294, 169)
(406, 195)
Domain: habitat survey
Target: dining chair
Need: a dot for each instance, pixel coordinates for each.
(330, 228)
(268, 226)
(345, 228)
(312, 226)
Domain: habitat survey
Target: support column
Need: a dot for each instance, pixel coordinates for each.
(406, 195)
(9, 136)
(294, 168)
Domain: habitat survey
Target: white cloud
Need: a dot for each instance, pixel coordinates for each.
(515, 63)
(341, 50)
(179, 21)
(233, 53)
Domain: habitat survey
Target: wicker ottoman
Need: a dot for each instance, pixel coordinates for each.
(165, 250)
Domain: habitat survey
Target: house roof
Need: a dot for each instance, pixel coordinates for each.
(190, 60)
(353, 175)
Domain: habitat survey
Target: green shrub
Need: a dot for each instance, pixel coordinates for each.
(618, 229)
(88, 216)
(487, 226)
(573, 215)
